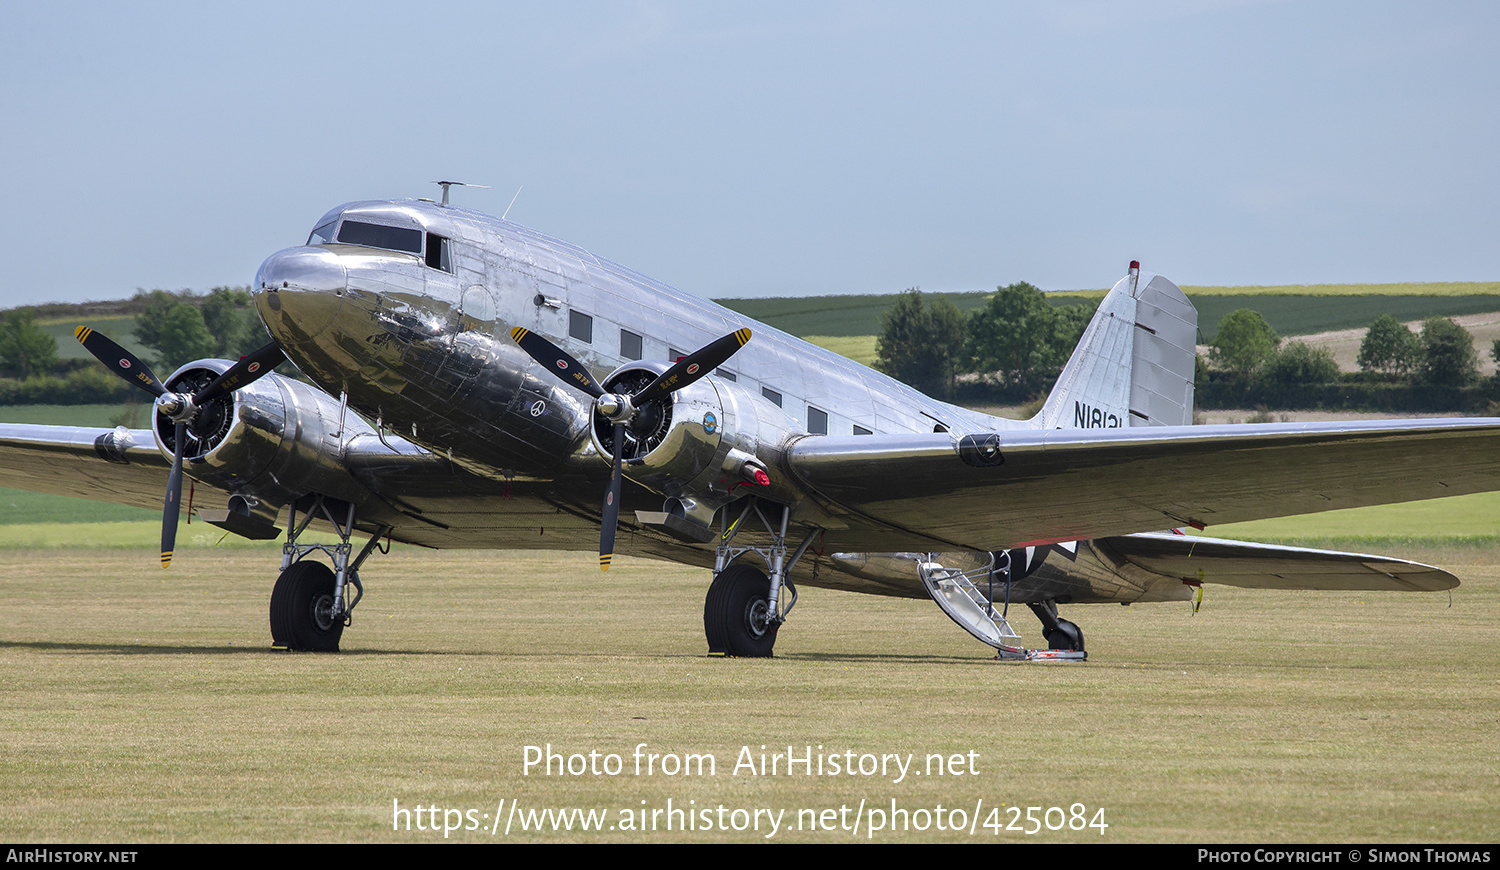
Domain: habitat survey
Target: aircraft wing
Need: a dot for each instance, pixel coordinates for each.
(1025, 487)
(115, 465)
(1268, 566)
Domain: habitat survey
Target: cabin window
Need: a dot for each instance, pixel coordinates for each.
(860, 430)
(673, 354)
(324, 234)
(438, 255)
(726, 374)
(366, 235)
(772, 395)
(817, 421)
(581, 326)
(630, 344)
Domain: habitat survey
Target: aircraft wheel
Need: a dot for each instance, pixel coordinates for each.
(302, 609)
(1067, 635)
(736, 614)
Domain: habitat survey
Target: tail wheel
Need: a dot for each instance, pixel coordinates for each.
(302, 616)
(737, 614)
(1067, 636)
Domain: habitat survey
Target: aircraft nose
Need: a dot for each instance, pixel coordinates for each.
(298, 291)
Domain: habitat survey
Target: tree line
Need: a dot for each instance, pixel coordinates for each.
(175, 328)
(1443, 355)
(1018, 342)
(1015, 346)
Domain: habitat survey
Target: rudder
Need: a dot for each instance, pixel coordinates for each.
(1134, 365)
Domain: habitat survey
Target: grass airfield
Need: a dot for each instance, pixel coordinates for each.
(142, 705)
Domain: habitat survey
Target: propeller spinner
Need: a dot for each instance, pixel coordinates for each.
(181, 408)
(625, 408)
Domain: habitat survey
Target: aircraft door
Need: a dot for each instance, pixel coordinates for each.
(476, 310)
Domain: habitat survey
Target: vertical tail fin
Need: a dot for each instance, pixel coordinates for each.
(1134, 365)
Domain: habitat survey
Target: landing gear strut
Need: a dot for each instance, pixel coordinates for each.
(309, 605)
(744, 607)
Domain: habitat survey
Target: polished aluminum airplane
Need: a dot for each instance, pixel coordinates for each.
(481, 385)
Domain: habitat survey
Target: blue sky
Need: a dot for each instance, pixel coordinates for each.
(768, 148)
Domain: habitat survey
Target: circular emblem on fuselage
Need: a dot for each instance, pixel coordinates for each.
(710, 423)
(538, 407)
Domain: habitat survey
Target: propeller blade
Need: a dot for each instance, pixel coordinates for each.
(248, 370)
(557, 361)
(170, 510)
(611, 505)
(119, 360)
(693, 366)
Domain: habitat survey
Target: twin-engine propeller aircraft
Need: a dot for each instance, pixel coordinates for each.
(514, 380)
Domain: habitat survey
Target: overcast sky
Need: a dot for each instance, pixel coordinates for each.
(764, 148)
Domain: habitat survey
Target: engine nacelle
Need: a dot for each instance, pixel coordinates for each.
(270, 442)
(699, 446)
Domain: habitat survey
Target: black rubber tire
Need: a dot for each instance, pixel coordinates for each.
(734, 614)
(300, 591)
(1067, 636)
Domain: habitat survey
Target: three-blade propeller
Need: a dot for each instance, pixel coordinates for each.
(621, 409)
(181, 408)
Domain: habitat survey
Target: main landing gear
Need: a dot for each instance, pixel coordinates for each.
(744, 607)
(310, 604)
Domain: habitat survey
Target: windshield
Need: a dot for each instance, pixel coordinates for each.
(379, 236)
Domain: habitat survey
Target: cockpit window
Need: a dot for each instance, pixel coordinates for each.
(324, 234)
(378, 236)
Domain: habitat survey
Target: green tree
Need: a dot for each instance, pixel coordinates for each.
(1448, 357)
(231, 320)
(1072, 320)
(1390, 347)
(175, 330)
(25, 348)
(919, 343)
(1244, 342)
(1301, 364)
(1015, 335)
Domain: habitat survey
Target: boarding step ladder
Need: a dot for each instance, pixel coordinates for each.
(955, 592)
(958, 596)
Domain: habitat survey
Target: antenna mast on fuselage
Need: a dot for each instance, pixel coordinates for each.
(447, 184)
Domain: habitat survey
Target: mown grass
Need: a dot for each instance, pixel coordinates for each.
(119, 327)
(71, 415)
(860, 348)
(143, 705)
(1304, 315)
(1410, 288)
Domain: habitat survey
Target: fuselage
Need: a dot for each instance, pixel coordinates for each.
(406, 306)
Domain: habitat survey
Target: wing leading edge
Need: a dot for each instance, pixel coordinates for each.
(1044, 486)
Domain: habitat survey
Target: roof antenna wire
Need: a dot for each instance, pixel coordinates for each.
(513, 201)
